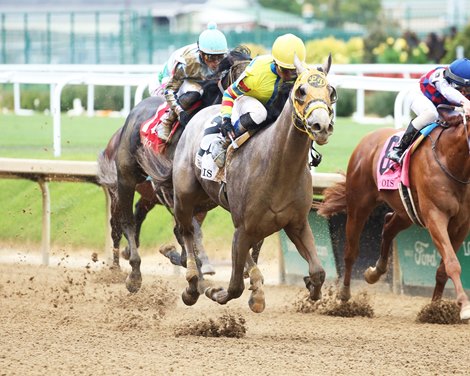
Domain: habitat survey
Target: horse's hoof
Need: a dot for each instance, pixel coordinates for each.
(314, 284)
(465, 312)
(115, 268)
(344, 294)
(371, 275)
(207, 269)
(189, 298)
(133, 284)
(257, 302)
(211, 292)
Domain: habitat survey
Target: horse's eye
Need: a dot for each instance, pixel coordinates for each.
(333, 94)
(300, 94)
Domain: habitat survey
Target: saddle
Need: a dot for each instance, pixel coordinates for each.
(204, 159)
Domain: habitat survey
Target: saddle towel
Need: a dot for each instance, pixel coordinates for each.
(148, 129)
(391, 174)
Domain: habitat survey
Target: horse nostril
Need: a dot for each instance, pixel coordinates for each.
(316, 127)
(330, 128)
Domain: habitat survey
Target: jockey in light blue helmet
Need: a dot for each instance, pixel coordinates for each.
(212, 41)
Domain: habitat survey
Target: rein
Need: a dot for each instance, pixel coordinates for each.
(230, 74)
(441, 165)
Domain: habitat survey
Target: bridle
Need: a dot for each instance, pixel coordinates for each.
(436, 157)
(303, 107)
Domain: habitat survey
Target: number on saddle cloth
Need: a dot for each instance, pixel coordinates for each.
(204, 159)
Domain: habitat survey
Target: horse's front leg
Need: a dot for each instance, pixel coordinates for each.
(240, 247)
(441, 280)
(206, 267)
(447, 249)
(116, 229)
(301, 235)
(257, 301)
(393, 224)
(437, 226)
(126, 197)
(183, 215)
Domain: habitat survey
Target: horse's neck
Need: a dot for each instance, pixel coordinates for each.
(288, 144)
(454, 146)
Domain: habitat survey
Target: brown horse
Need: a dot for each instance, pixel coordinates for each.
(130, 173)
(439, 182)
(149, 197)
(268, 188)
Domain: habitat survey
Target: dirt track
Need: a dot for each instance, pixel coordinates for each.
(62, 321)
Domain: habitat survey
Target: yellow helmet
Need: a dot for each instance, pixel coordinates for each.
(284, 49)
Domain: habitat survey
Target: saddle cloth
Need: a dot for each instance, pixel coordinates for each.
(204, 160)
(148, 129)
(389, 173)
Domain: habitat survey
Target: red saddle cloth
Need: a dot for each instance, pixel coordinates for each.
(148, 129)
(390, 173)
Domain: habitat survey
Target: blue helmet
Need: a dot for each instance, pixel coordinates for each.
(458, 72)
(212, 41)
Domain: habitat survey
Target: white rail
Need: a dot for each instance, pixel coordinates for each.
(43, 171)
(58, 76)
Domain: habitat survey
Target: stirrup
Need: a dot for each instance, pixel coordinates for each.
(219, 159)
(395, 156)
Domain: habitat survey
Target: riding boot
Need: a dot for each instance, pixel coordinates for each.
(218, 150)
(408, 137)
(164, 128)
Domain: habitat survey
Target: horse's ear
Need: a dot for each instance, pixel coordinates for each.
(298, 65)
(327, 64)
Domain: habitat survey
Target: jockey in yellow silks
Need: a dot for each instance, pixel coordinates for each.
(245, 104)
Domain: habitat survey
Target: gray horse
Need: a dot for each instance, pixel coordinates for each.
(268, 187)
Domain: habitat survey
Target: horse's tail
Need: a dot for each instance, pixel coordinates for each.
(107, 173)
(158, 166)
(334, 201)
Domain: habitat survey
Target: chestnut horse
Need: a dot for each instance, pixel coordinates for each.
(268, 186)
(131, 174)
(439, 182)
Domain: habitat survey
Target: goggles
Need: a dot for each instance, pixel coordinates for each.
(213, 58)
(288, 72)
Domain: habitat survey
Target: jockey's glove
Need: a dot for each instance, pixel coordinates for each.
(184, 117)
(178, 109)
(227, 128)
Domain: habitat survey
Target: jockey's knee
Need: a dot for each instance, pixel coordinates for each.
(252, 120)
(188, 99)
(425, 118)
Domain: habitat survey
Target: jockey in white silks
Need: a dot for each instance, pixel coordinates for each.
(186, 69)
(442, 85)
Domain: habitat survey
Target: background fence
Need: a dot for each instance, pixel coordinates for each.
(121, 37)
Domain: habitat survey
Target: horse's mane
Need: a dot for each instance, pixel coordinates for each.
(278, 103)
(211, 86)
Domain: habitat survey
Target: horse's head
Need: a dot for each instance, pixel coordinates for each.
(229, 69)
(313, 98)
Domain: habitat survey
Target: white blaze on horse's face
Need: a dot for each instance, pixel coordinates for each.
(313, 99)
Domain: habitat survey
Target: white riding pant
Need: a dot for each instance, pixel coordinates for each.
(188, 85)
(425, 110)
(244, 105)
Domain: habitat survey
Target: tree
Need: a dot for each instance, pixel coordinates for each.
(290, 6)
(335, 13)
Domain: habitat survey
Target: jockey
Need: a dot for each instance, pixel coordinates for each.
(248, 101)
(442, 85)
(158, 88)
(195, 64)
